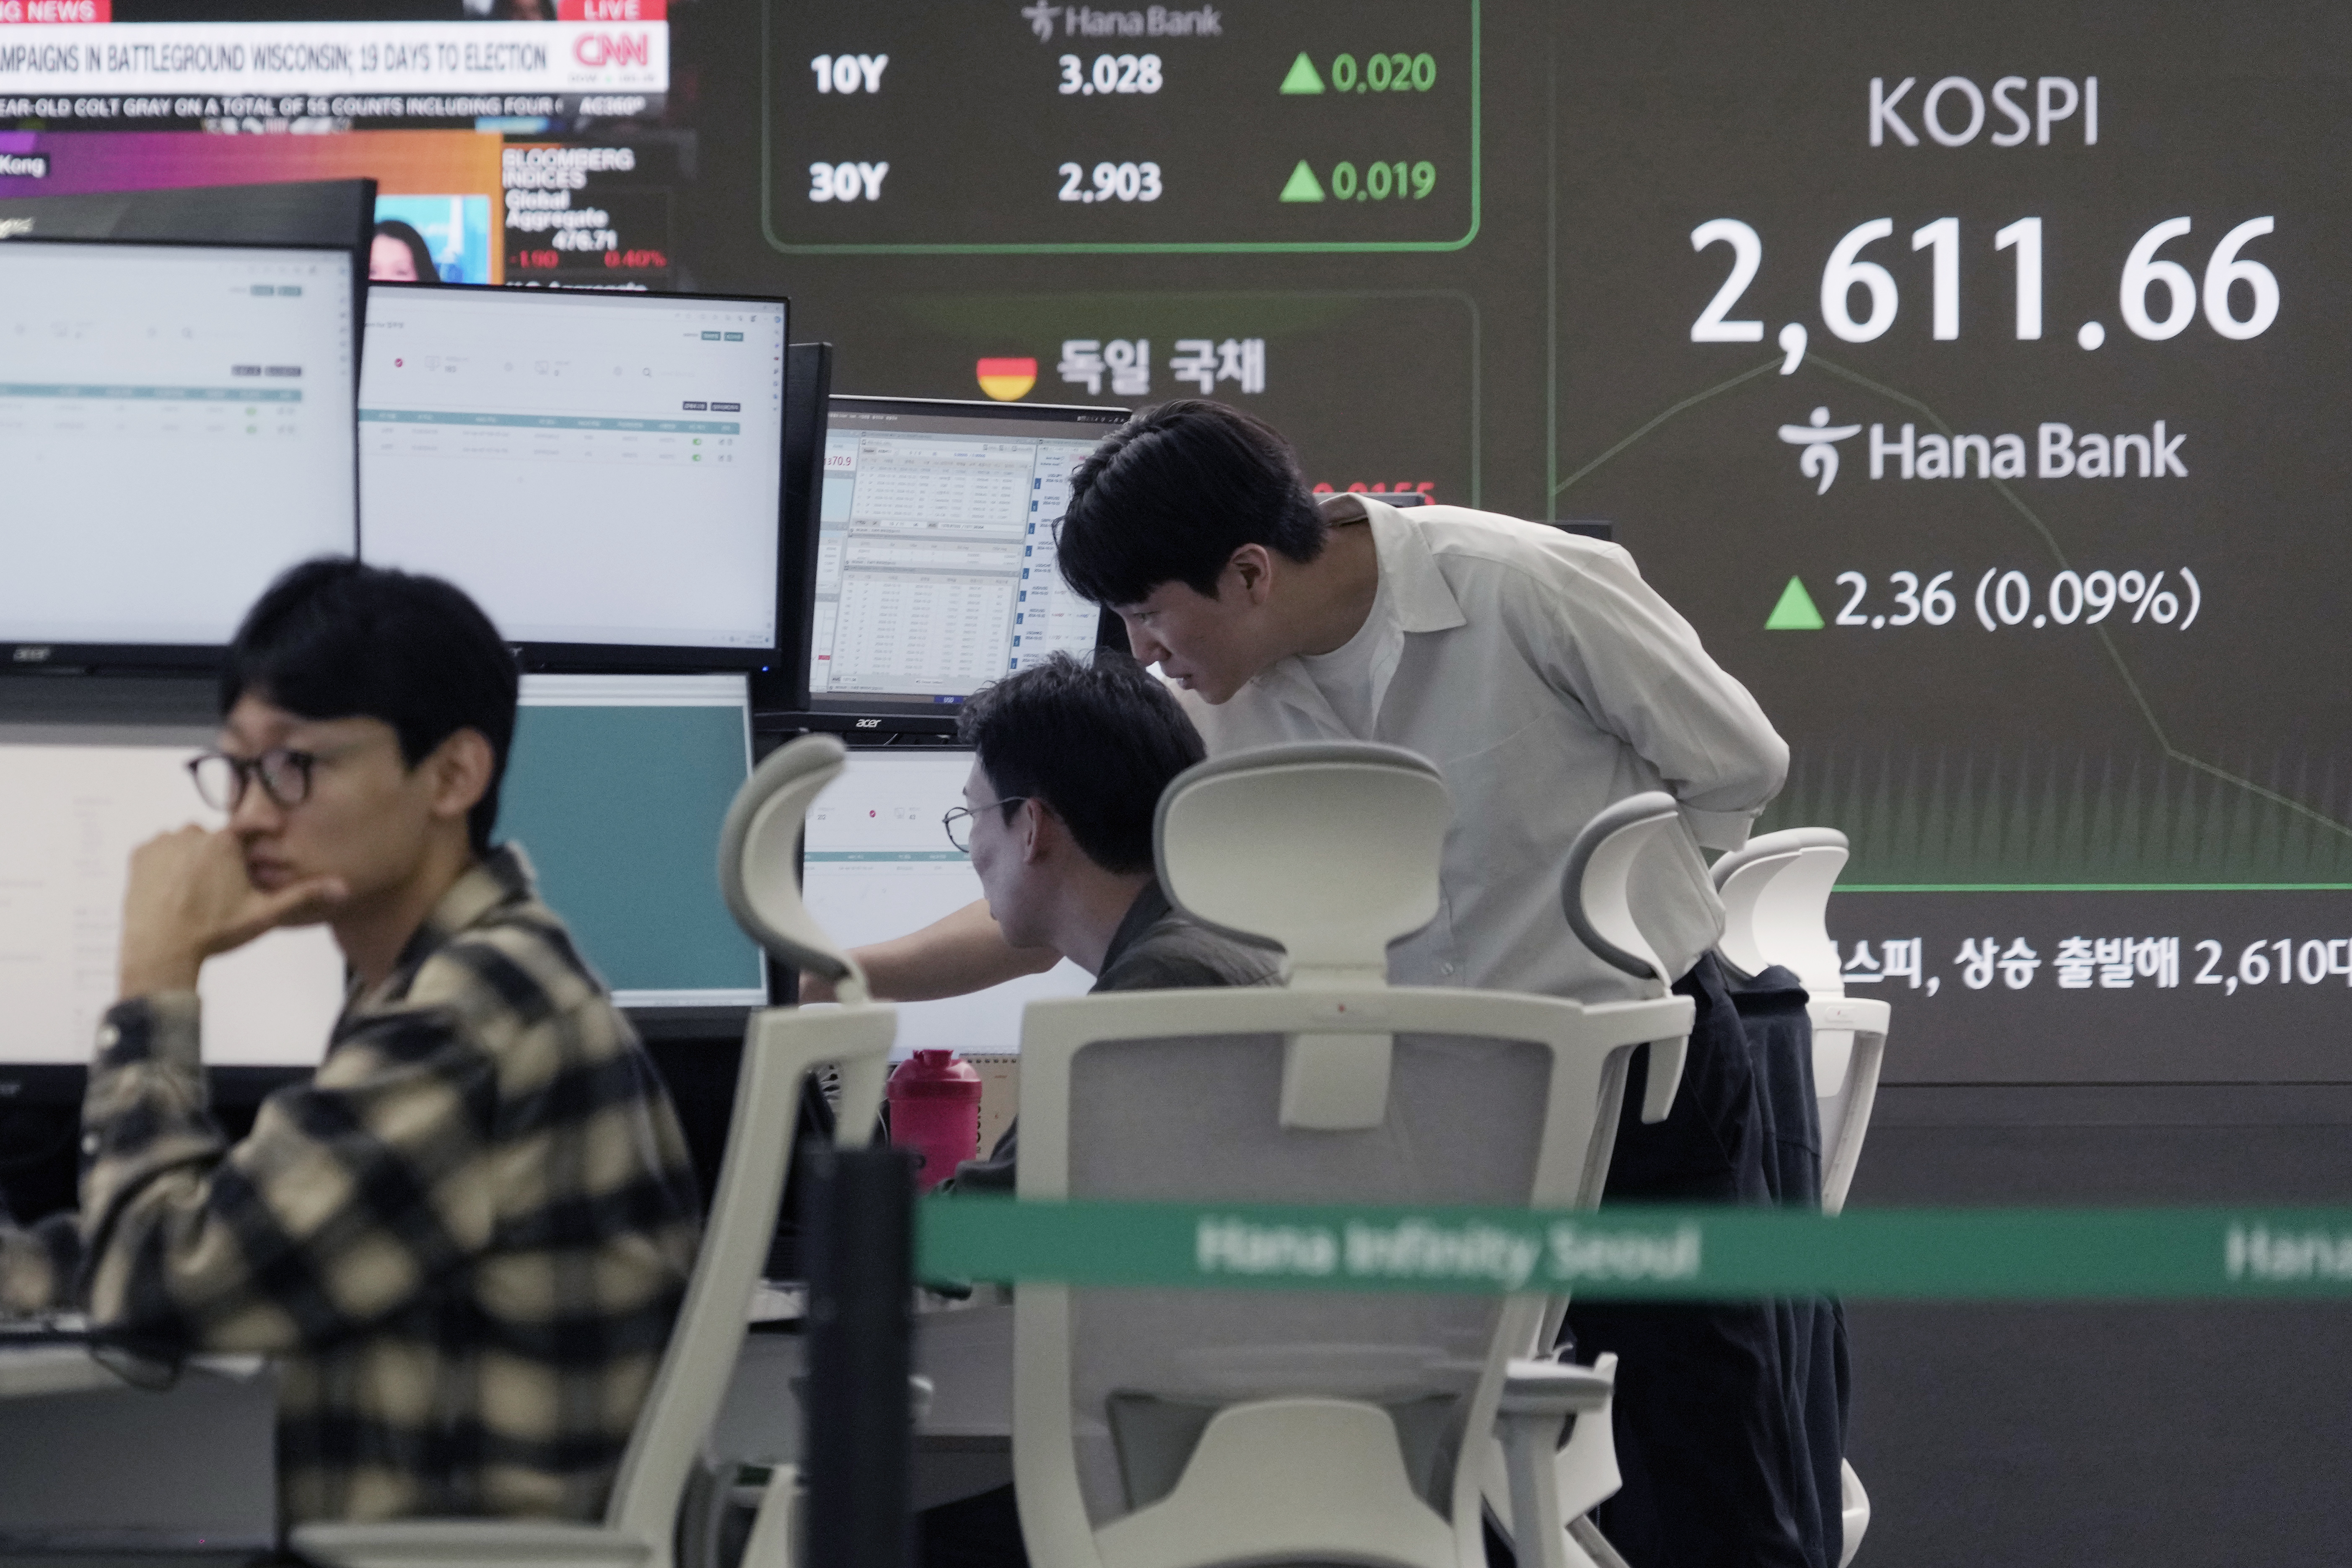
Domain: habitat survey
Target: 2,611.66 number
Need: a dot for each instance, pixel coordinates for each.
(1112, 182)
(2229, 280)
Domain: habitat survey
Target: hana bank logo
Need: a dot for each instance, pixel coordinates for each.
(1819, 438)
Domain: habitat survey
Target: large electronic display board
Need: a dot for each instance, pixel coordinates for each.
(1925, 326)
(1095, 131)
(1975, 402)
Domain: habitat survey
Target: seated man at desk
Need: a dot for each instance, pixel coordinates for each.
(1069, 761)
(466, 1237)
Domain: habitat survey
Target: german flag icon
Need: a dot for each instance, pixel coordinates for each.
(1007, 379)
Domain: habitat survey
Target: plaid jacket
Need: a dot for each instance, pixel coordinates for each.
(465, 1239)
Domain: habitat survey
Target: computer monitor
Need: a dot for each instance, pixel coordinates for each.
(74, 803)
(175, 430)
(340, 213)
(931, 569)
(603, 473)
(617, 788)
(808, 383)
(875, 863)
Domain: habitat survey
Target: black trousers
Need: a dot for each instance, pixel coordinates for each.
(1704, 1439)
(980, 1532)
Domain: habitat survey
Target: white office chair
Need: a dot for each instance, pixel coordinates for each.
(1596, 894)
(1775, 893)
(1182, 1429)
(641, 1527)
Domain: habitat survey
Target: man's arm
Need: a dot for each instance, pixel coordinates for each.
(954, 956)
(352, 1195)
(1638, 668)
(38, 1266)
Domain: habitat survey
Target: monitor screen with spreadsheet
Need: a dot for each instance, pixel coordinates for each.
(175, 429)
(875, 863)
(932, 569)
(597, 471)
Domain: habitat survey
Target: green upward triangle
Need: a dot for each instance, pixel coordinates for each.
(1302, 76)
(1795, 612)
(1302, 185)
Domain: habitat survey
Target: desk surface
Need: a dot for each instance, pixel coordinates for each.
(94, 1470)
(963, 1444)
(27, 1370)
(33, 1368)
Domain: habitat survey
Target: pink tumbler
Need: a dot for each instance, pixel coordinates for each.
(935, 1111)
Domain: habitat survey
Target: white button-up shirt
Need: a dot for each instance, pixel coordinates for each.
(1547, 681)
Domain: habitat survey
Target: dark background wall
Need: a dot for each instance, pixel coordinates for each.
(2097, 1433)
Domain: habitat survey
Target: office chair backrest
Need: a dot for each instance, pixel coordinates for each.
(1330, 849)
(759, 855)
(1596, 891)
(1775, 893)
(758, 873)
(1157, 1429)
(1597, 894)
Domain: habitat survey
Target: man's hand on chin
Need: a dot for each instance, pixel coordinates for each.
(190, 898)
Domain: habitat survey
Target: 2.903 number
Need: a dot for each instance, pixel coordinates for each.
(1112, 182)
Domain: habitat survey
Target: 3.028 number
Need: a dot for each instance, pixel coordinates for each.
(1112, 74)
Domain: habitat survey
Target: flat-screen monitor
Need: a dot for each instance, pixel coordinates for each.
(808, 385)
(175, 430)
(875, 863)
(603, 473)
(617, 788)
(73, 805)
(338, 213)
(931, 570)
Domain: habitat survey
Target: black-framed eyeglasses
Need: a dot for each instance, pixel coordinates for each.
(958, 821)
(285, 776)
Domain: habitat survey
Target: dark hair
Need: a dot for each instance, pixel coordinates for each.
(335, 639)
(1098, 742)
(1174, 493)
(419, 253)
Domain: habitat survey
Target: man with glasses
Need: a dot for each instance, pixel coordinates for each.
(465, 1238)
(1069, 761)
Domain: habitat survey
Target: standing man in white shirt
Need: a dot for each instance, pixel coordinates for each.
(1547, 681)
